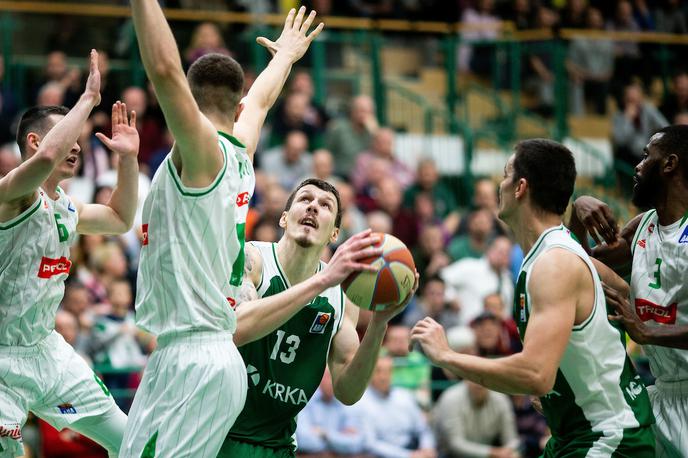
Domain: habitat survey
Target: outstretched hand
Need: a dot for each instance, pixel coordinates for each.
(294, 41)
(93, 82)
(125, 137)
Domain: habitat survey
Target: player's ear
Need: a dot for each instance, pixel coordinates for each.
(335, 235)
(283, 220)
(521, 187)
(238, 111)
(33, 141)
(670, 163)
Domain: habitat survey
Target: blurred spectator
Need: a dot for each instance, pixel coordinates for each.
(56, 75)
(411, 369)
(491, 340)
(670, 18)
(346, 137)
(353, 220)
(297, 113)
(591, 65)
(77, 301)
(494, 303)
(388, 199)
(473, 244)
(378, 170)
(485, 198)
(393, 423)
(265, 230)
(290, 162)
(428, 180)
(628, 62)
(9, 159)
(472, 421)
(429, 254)
(574, 15)
(273, 203)
(8, 107)
(481, 25)
(379, 221)
(432, 303)
(322, 167)
(541, 60)
(634, 124)
(206, 39)
(107, 265)
(531, 426)
(67, 326)
(676, 101)
(158, 156)
(51, 94)
(326, 428)
(382, 147)
(150, 129)
(521, 14)
(470, 280)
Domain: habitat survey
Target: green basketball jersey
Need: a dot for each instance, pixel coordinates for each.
(285, 367)
(597, 394)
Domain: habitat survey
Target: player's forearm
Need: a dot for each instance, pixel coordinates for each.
(158, 47)
(512, 375)
(258, 318)
(124, 197)
(350, 385)
(666, 336)
(268, 85)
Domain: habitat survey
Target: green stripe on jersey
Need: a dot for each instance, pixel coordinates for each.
(21, 217)
(192, 192)
(233, 140)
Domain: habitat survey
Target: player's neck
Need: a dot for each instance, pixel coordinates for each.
(530, 225)
(674, 204)
(299, 263)
(50, 187)
(221, 123)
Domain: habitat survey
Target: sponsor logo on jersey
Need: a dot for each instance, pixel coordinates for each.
(320, 323)
(634, 388)
(641, 243)
(11, 430)
(232, 302)
(647, 311)
(253, 374)
(242, 199)
(144, 230)
(684, 236)
(651, 228)
(70, 207)
(522, 304)
(285, 393)
(51, 267)
(66, 408)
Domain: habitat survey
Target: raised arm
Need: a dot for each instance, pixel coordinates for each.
(23, 181)
(195, 137)
(554, 285)
(289, 48)
(117, 216)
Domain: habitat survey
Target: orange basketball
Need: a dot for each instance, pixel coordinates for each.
(391, 284)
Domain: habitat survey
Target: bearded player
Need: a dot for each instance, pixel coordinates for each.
(39, 371)
(655, 245)
(286, 366)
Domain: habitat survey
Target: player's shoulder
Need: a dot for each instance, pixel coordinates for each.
(558, 265)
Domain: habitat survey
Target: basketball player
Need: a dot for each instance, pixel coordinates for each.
(572, 357)
(655, 244)
(192, 259)
(39, 371)
(286, 366)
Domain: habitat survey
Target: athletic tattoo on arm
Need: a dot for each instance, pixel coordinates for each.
(247, 291)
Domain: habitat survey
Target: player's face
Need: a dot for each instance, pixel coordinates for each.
(647, 180)
(506, 190)
(68, 167)
(310, 220)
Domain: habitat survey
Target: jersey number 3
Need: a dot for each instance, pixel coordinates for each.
(657, 274)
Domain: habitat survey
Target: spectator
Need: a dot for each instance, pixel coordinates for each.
(591, 65)
(302, 82)
(574, 14)
(297, 113)
(470, 280)
(347, 137)
(388, 199)
(353, 220)
(471, 421)
(9, 159)
(677, 100)
(290, 162)
(57, 71)
(322, 167)
(432, 303)
(485, 198)
(206, 39)
(531, 426)
(382, 147)
(393, 423)
(77, 301)
(326, 427)
(67, 326)
(479, 234)
(628, 59)
(429, 254)
(521, 14)
(273, 203)
(541, 60)
(634, 124)
(8, 107)
(670, 18)
(428, 180)
(150, 129)
(482, 25)
(379, 221)
(265, 231)
(491, 339)
(494, 303)
(51, 94)
(411, 369)
(378, 170)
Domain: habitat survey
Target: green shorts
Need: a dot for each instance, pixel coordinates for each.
(235, 449)
(631, 443)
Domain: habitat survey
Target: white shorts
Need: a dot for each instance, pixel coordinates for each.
(51, 380)
(670, 406)
(192, 391)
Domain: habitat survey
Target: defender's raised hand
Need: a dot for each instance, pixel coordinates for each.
(125, 137)
(294, 40)
(93, 82)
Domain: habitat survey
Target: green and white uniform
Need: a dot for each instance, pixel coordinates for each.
(39, 371)
(598, 407)
(192, 264)
(659, 292)
(284, 368)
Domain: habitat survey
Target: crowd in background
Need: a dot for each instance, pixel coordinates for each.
(462, 250)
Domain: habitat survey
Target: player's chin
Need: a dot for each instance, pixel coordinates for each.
(305, 240)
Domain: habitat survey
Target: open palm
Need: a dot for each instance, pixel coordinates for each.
(125, 137)
(293, 42)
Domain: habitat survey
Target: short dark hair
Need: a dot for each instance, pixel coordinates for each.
(325, 186)
(216, 82)
(674, 140)
(35, 120)
(549, 169)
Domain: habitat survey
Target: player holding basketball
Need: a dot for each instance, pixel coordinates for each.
(286, 366)
(39, 371)
(572, 357)
(192, 259)
(655, 244)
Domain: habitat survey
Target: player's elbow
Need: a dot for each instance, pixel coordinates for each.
(541, 383)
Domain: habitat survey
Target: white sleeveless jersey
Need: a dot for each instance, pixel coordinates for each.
(659, 288)
(34, 263)
(192, 258)
(596, 388)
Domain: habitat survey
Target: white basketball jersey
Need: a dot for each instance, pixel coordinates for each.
(659, 288)
(34, 263)
(192, 258)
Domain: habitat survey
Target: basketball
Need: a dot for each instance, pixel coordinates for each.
(391, 284)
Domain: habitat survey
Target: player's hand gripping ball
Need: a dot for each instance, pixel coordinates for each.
(391, 284)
